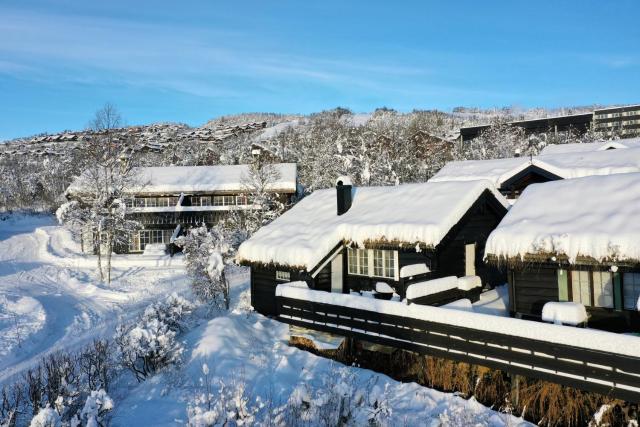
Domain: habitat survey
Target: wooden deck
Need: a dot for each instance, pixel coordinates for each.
(606, 373)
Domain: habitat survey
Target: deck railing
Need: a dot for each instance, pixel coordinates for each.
(607, 373)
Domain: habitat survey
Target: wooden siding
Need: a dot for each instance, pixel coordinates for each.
(533, 285)
(322, 281)
(263, 288)
(532, 288)
(474, 227)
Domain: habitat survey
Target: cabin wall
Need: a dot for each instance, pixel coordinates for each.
(533, 285)
(474, 227)
(263, 288)
(532, 288)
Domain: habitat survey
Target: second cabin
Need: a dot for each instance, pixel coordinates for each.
(379, 239)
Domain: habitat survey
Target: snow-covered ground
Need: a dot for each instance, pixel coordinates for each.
(50, 297)
(245, 347)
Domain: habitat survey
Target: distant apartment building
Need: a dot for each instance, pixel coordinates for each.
(622, 121)
(617, 121)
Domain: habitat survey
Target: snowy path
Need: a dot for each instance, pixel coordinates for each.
(45, 278)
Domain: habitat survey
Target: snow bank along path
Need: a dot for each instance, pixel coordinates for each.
(583, 338)
(42, 268)
(593, 217)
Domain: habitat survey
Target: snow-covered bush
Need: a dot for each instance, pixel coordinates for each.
(172, 311)
(147, 346)
(96, 407)
(46, 417)
(97, 364)
(229, 406)
(338, 400)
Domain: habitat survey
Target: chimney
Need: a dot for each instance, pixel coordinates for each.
(343, 193)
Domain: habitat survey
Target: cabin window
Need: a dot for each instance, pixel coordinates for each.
(384, 263)
(283, 276)
(358, 261)
(141, 238)
(631, 285)
(592, 288)
(201, 201)
(602, 289)
(580, 287)
(372, 262)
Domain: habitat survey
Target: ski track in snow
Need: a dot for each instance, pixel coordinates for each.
(41, 264)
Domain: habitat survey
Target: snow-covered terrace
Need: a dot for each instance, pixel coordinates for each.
(565, 165)
(202, 179)
(592, 218)
(411, 214)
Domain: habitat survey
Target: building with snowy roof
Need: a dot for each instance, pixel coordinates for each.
(591, 146)
(376, 238)
(574, 240)
(169, 200)
(512, 175)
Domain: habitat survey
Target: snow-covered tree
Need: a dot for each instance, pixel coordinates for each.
(207, 255)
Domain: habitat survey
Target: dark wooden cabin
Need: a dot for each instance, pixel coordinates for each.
(346, 267)
(595, 214)
(512, 176)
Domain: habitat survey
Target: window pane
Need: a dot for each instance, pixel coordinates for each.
(363, 262)
(390, 264)
(378, 263)
(580, 287)
(631, 290)
(352, 261)
(205, 201)
(218, 200)
(603, 289)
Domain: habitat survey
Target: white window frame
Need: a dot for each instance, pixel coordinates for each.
(370, 270)
(283, 276)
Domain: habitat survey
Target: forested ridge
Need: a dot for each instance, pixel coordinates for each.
(384, 147)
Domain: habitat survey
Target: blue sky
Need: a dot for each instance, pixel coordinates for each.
(190, 61)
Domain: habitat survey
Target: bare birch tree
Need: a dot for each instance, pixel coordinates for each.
(103, 186)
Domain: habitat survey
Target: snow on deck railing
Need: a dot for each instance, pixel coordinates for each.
(578, 337)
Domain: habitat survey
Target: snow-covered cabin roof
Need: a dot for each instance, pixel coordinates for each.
(203, 179)
(409, 213)
(594, 217)
(566, 165)
(591, 146)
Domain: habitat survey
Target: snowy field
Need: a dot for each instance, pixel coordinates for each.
(50, 299)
